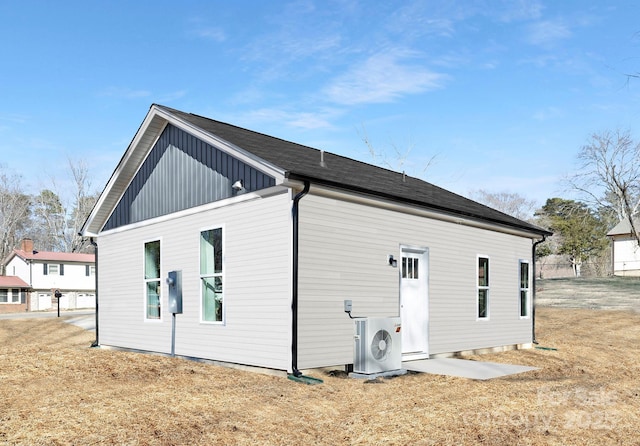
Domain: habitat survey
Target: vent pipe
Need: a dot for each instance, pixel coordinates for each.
(322, 163)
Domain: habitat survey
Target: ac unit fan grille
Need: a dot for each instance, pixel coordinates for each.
(381, 345)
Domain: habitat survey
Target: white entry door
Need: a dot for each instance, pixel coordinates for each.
(414, 294)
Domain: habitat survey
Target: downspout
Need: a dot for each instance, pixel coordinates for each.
(294, 291)
(96, 343)
(533, 289)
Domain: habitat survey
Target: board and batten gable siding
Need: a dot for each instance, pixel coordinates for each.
(256, 284)
(182, 172)
(344, 248)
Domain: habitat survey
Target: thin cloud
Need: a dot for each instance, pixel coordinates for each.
(210, 33)
(172, 96)
(382, 78)
(126, 93)
(548, 114)
(520, 10)
(13, 117)
(300, 120)
(548, 33)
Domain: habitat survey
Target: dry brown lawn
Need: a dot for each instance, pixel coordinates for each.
(55, 390)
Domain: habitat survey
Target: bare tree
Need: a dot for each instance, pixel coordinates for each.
(83, 200)
(14, 212)
(48, 221)
(510, 203)
(609, 175)
(398, 160)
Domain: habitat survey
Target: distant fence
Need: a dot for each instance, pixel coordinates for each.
(558, 269)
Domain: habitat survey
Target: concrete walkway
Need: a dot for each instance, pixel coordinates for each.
(464, 368)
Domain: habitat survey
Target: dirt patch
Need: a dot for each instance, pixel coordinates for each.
(598, 293)
(54, 390)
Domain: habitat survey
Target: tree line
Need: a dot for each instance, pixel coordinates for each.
(51, 221)
(607, 182)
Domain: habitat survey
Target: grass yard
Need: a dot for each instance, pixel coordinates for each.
(601, 293)
(54, 390)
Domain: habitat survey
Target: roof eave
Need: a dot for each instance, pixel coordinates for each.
(539, 232)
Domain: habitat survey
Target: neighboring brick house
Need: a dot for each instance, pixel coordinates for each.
(73, 274)
(13, 294)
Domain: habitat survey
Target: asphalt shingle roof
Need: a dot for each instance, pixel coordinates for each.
(303, 163)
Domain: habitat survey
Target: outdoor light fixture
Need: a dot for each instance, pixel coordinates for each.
(392, 262)
(238, 186)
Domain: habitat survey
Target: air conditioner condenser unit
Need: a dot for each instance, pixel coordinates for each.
(378, 345)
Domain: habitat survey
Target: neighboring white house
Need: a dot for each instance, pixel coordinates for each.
(272, 237)
(73, 274)
(13, 294)
(625, 253)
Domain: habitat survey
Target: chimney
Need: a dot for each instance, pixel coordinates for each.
(26, 245)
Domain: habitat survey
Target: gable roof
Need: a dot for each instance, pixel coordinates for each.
(624, 228)
(295, 162)
(49, 256)
(12, 282)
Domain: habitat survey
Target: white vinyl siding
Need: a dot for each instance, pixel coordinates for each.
(257, 286)
(344, 249)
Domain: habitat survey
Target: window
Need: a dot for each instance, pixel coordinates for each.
(15, 296)
(410, 268)
(89, 270)
(53, 269)
(483, 287)
(4, 298)
(152, 279)
(211, 275)
(524, 288)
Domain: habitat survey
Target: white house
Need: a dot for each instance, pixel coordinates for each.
(73, 274)
(625, 252)
(272, 237)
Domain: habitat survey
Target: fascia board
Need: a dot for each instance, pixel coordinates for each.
(138, 150)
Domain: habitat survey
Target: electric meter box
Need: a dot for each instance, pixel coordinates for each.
(174, 280)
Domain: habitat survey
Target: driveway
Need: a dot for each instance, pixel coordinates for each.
(82, 318)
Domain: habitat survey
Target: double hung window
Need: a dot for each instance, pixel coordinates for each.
(152, 279)
(211, 275)
(483, 287)
(524, 288)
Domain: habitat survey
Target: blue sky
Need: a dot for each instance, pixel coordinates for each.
(493, 95)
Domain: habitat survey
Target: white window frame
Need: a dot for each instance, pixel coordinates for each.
(221, 275)
(486, 288)
(527, 289)
(7, 294)
(53, 265)
(145, 302)
(15, 294)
